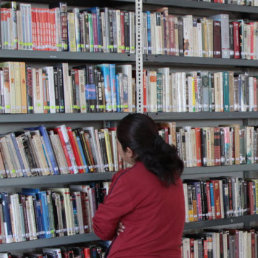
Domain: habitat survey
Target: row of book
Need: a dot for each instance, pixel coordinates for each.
(64, 28)
(198, 91)
(238, 2)
(63, 150)
(216, 146)
(111, 88)
(215, 37)
(224, 243)
(37, 214)
(94, 250)
(52, 89)
(60, 150)
(219, 198)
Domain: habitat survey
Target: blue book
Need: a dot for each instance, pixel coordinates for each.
(107, 88)
(212, 200)
(112, 77)
(82, 153)
(41, 197)
(226, 91)
(4, 197)
(118, 102)
(15, 144)
(43, 131)
(149, 31)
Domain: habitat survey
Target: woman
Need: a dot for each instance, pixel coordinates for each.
(144, 210)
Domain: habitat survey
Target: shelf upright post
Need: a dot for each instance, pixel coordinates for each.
(139, 56)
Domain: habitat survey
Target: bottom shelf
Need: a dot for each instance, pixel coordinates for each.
(220, 222)
(41, 243)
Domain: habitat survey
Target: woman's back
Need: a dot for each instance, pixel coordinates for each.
(153, 215)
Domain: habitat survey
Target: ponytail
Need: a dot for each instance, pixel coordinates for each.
(140, 134)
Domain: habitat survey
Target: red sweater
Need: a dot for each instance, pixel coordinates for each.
(153, 215)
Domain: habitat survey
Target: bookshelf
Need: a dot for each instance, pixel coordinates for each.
(53, 56)
(197, 8)
(149, 60)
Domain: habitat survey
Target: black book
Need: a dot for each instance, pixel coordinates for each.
(57, 89)
(110, 29)
(60, 83)
(180, 36)
(127, 31)
(100, 96)
(29, 89)
(203, 147)
(231, 40)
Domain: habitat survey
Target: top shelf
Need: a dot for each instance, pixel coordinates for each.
(199, 5)
(55, 56)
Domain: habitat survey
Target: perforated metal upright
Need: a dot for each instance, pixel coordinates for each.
(139, 56)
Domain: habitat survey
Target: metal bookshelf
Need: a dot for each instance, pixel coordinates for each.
(219, 169)
(41, 243)
(60, 117)
(90, 117)
(198, 5)
(56, 56)
(55, 179)
(203, 116)
(155, 60)
(220, 222)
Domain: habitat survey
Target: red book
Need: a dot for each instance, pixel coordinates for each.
(217, 157)
(208, 196)
(198, 147)
(75, 150)
(122, 28)
(68, 152)
(86, 252)
(236, 39)
(250, 185)
(191, 248)
(205, 248)
(85, 211)
(34, 29)
(217, 39)
(216, 190)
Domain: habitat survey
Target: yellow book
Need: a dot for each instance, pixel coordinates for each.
(17, 86)
(109, 150)
(23, 88)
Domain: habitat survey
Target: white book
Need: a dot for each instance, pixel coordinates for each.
(166, 89)
(118, 33)
(132, 32)
(114, 149)
(186, 202)
(65, 192)
(188, 35)
(31, 218)
(174, 92)
(51, 88)
(152, 76)
(67, 88)
(221, 200)
(183, 91)
(127, 70)
(82, 98)
(251, 93)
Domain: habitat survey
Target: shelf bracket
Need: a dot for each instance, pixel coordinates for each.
(139, 57)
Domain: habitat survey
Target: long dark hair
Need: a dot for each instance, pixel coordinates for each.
(139, 132)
